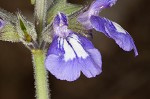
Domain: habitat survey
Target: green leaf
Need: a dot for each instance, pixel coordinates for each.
(64, 7)
(9, 33)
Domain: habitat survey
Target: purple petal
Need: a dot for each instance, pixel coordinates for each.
(94, 9)
(84, 20)
(60, 25)
(100, 4)
(114, 31)
(55, 47)
(87, 44)
(62, 70)
(2, 24)
(67, 57)
(92, 66)
(60, 19)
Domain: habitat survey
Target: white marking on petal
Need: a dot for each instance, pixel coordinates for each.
(107, 30)
(80, 52)
(69, 53)
(58, 40)
(119, 28)
(61, 42)
(75, 37)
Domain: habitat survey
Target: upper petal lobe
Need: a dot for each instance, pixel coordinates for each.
(114, 31)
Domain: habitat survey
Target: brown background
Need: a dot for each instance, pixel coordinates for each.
(123, 76)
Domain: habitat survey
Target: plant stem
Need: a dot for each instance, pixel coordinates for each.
(40, 16)
(40, 74)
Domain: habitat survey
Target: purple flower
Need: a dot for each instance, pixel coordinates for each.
(90, 20)
(70, 53)
(2, 24)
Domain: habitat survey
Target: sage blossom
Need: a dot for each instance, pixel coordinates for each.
(91, 20)
(70, 53)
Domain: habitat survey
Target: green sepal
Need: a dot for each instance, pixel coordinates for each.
(9, 33)
(47, 34)
(7, 16)
(63, 1)
(26, 30)
(75, 26)
(64, 7)
(49, 3)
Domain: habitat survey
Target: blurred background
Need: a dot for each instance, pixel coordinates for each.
(124, 76)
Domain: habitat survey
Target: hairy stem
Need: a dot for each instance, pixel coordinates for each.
(40, 75)
(40, 16)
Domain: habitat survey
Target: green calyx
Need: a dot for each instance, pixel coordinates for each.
(26, 30)
(27, 37)
(9, 33)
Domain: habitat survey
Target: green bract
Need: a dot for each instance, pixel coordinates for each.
(9, 33)
(47, 34)
(26, 30)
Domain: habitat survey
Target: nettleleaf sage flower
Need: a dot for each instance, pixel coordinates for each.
(91, 20)
(71, 53)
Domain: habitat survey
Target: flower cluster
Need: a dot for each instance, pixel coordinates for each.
(70, 53)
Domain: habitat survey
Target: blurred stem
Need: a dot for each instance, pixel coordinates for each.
(40, 74)
(32, 2)
(40, 16)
